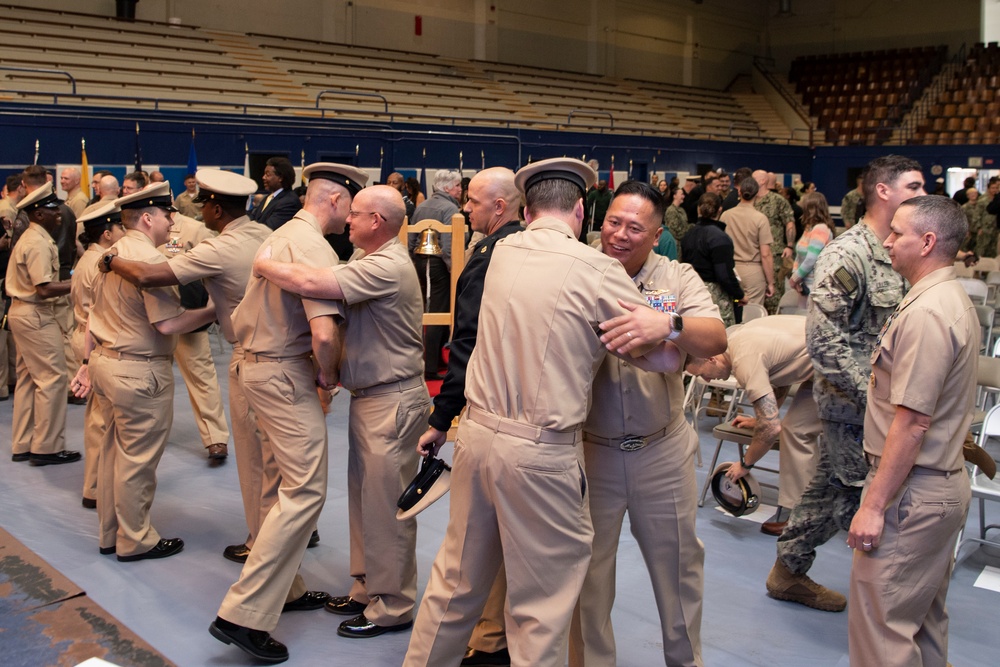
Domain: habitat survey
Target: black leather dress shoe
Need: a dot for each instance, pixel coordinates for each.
(499, 658)
(162, 549)
(360, 627)
(18, 458)
(345, 606)
(313, 539)
(107, 551)
(236, 552)
(257, 643)
(65, 456)
(310, 600)
(89, 503)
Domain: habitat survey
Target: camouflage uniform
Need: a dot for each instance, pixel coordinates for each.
(849, 208)
(676, 221)
(855, 291)
(986, 239)
(725, 303)
(779, 213)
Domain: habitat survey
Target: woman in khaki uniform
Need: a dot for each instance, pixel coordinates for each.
(751, 234)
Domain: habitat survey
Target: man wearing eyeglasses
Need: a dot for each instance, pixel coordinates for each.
(381, 366)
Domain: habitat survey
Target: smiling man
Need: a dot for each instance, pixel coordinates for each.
(919, 409)
(639, 449)
(281, 203)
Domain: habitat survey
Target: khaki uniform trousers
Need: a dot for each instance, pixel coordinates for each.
(524, 503)
(282, 393)
(135, 399)
(39, 422)
(798, 452)
(67, 324)
(194, 360)
(93, 426)
(751, 275)
(258, 473)
(6, 351)
(896, 613)
(656, 485)
(383, 430)
(489, 635)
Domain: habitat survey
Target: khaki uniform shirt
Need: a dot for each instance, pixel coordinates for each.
(383, 338)
(631, 401)
(34, 260)
(749, 230)
(538, 346)
(186, 207)
(769, 352)
(8, 209)
(225, 262)
(185, 233)
(273, 322)
(84, 283)
(77, 201)
(123, 315)
(926, 360)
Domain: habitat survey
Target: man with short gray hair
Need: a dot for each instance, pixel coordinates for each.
(69, 181)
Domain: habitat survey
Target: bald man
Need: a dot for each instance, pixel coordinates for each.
(76, 198)
(381, 365)
(107, 191)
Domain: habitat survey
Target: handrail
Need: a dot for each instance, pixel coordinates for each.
(39, 70)
(590, 112)
(334, 91)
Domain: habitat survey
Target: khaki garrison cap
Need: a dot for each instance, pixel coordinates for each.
(352, 178)
(43, 197)
(108, 214)
(569, 169)
(155, 195)
(223, 186)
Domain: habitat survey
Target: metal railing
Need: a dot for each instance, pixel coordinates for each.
(332, 91)
(39, 70)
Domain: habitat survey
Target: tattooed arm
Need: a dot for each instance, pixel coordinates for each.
(766, 427)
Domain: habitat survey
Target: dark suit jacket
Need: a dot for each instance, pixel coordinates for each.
(281, 209)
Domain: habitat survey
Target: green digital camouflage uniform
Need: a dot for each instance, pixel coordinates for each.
(779, 213)
(986, 238)
(676, 220)
(855, 292)
(849, 208)
(725, 303)
(973, 214)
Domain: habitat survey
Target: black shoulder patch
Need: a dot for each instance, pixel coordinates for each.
(845, 279)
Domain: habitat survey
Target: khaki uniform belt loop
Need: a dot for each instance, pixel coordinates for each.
(916, 470)
(628, 443)
(388, 387)
(102, 351)
(523, 430)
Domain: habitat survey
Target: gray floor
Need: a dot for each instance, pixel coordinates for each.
(170, 602)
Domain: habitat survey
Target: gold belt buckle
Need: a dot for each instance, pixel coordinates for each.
(631, 443)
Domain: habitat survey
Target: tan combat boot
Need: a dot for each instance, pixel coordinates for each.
(783, 585)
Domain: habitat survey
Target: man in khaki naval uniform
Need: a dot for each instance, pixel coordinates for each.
(102, 227)
(76, 199)
(767, 356)
(920, 400)
(194, 350)
(224, 263)
(639, 449)
(185, 202)
(131, 336)
(381, 365)
(278, 332)
(38, 430)
(518, 490)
